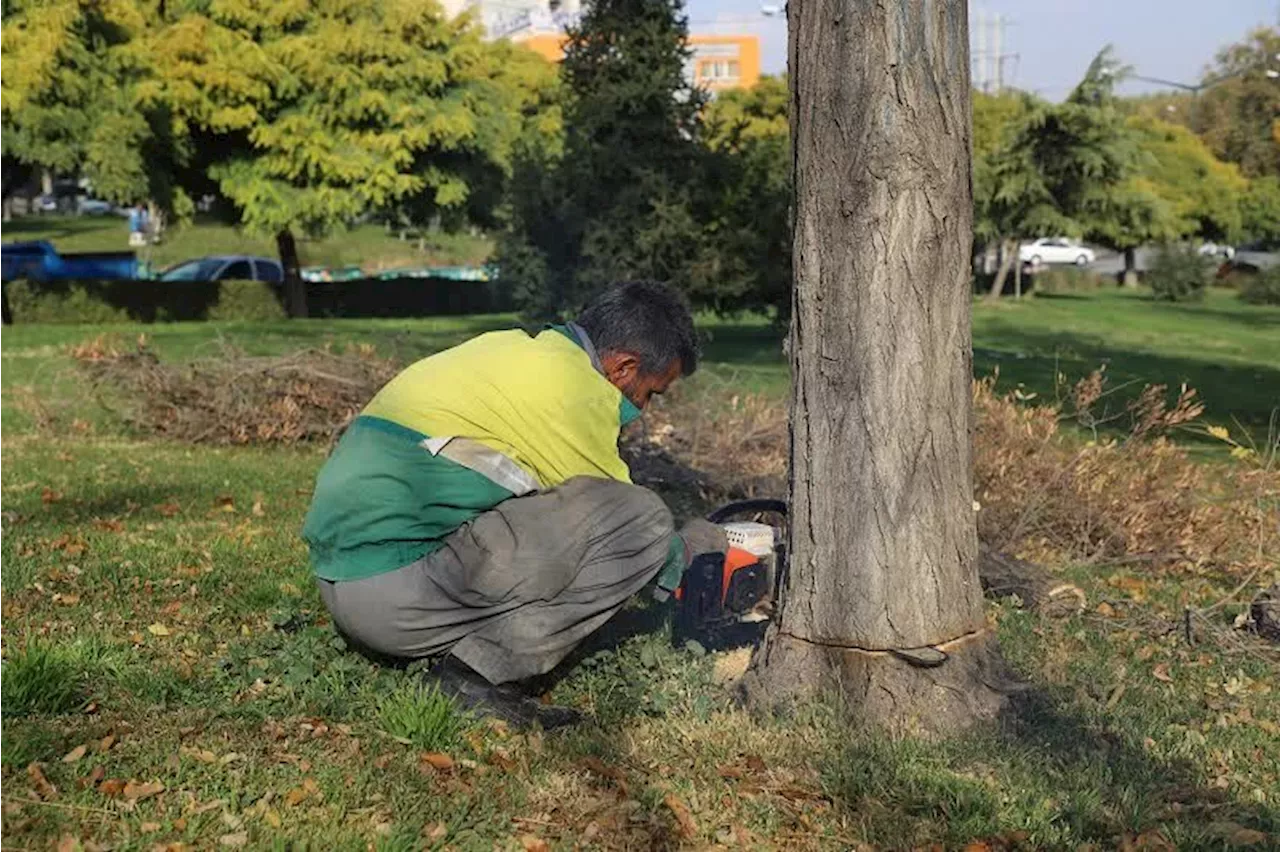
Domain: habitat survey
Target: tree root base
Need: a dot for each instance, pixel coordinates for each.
(876, 689)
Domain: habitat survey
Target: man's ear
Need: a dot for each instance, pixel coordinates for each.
(620, 367)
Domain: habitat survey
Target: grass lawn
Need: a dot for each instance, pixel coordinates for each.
(169, 675)
(369, 246)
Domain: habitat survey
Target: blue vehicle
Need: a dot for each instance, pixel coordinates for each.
(39, 261)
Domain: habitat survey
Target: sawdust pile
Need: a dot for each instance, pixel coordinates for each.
(233, 398)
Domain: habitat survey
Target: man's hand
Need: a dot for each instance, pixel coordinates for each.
(698, 537)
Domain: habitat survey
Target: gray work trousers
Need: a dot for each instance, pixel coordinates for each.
(512, 592)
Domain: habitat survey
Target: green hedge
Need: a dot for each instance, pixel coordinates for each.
(163, 301)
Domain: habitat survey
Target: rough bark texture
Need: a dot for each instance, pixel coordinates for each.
(1130, 276)
(883, 542)
(295, 289)
(1007, 259)
(1265, 612)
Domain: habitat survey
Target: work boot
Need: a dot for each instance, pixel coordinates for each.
(507, 702)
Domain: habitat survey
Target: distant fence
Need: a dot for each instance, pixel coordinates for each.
(175, 301)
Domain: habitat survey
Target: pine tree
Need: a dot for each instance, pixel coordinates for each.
(616, 202)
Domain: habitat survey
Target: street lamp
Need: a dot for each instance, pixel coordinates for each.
(1269, 73)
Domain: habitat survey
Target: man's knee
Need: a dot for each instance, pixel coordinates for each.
(642, 511)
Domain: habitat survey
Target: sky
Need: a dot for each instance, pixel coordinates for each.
(1055, 39)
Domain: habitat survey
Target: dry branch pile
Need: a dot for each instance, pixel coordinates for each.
(233, 398)
(1044, 494)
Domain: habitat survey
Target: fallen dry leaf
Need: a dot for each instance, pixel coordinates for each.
(234, 841)
(95, 775)
(148, 827)
(201, 754)
(257, 508)
(437, 760)
(68, 843)
(1237, 835)
(755, 763)
(137, 791)
(598, 767)
(295, 796)
(272, 818)
(977, 846)
(75, 754)
(226, 502)
(688, 828)
(438, 831)
(1161, 672)
(112, 787)
(533, 843)
(105, 744)
(1106, 610)
(158, 629)
(44, 789)
(168, 509)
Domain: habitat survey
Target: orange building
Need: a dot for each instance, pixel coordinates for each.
(716, 62)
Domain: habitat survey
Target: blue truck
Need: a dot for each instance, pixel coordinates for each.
(38, 260)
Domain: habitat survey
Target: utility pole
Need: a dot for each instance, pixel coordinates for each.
(988, 58)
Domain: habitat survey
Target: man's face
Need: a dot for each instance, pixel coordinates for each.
(623, 371)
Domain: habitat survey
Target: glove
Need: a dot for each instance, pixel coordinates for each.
(697, 537)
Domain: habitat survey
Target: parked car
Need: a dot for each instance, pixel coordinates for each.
(40, 261)
(1215, 250)
(94, 207)
(1055, 250)
(44, 204)
(228, 267)
(1255, 257)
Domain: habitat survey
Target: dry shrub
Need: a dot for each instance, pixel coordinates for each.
(736, 443)
(233, 398)
(1130, 495)
(1049, 496)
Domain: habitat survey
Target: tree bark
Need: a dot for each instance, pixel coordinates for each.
(1007, 259)
(1130, 278)
(295, 289)
(882, 535)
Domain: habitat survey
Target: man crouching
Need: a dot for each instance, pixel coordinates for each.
(478, 511)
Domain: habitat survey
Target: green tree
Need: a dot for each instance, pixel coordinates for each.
(1203, 193)
(1260, 210)
(745, 198)
(309, 116)
(1239, 116)
(70, 102)
(617, 202)
(1097, 178)
(1011, 196)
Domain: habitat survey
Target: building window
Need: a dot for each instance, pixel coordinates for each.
(719, 70)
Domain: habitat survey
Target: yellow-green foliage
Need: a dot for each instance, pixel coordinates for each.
(338, 107)
(1203, 192)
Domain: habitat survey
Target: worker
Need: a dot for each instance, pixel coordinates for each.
(477, 513)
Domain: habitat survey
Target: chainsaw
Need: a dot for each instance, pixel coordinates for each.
(721, 592)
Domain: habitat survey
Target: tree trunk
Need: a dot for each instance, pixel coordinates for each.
(1130, 278)
(883, 581)
(295, 289)
(1007, 259)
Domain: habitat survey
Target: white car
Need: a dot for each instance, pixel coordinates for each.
(1055, 250)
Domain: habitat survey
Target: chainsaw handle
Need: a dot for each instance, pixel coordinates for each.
(743, 507)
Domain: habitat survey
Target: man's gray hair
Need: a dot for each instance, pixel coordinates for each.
(646, 318)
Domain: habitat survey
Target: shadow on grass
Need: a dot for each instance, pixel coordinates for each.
(1044, 770)
(146, 502)
(1033, 359)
